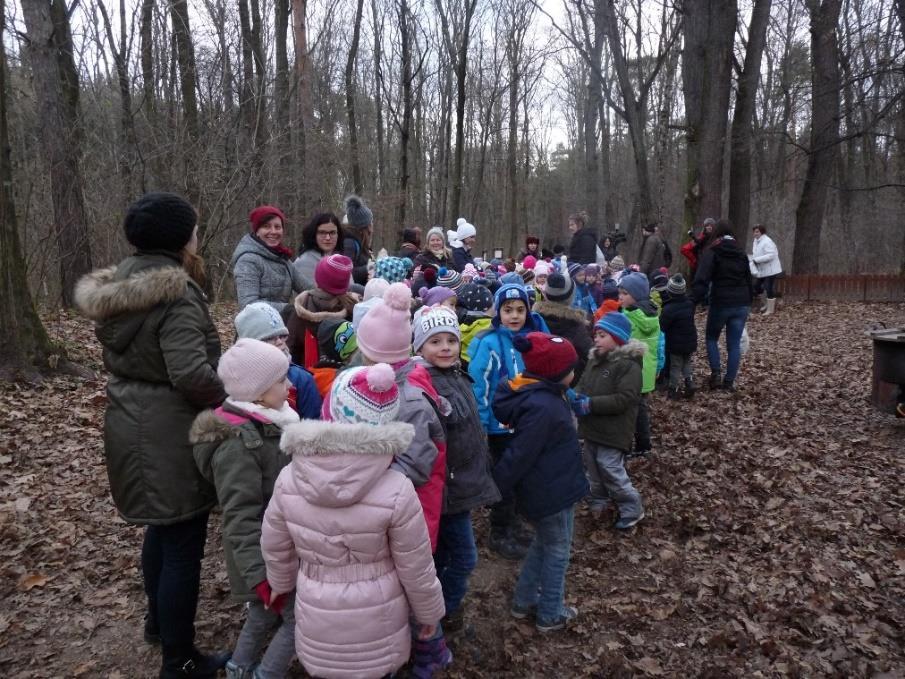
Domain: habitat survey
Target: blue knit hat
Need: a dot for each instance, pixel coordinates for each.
(617, 326)
(636, 285)
(508, 292)
(393, 269)
(512, 278)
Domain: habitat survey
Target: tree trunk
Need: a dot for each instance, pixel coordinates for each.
(378, 98)
(461, 81)
(246, 95)
(146, 33)
(706, 83)
(302, 93)
(57, 91)
(24, 345)
(281, 74)
(591, 110)
(405, 128)
(355, 158)
(825, 86)
(740, 151)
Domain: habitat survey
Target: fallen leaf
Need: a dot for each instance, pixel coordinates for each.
(29, 582)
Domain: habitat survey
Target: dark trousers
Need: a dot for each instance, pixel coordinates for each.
(171, 565)
(764, 284)
(502, 514)
(456, 558)
(642, 425)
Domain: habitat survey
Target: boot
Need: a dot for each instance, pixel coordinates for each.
(771, 306)
(673, 394)
(195, 665)
(430, 656)
(690, 389)
(152, 630)
(716, 381)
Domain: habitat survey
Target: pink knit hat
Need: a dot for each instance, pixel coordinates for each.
(363, 395)
(385, 334)
(529, 262)
(333, 274)
(250, 367)
(470, 270)
(542, 268)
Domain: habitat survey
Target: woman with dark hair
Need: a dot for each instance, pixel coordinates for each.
(608, 248)
(532, 248)
(723, 269)
(161, 349)
(765, 259)
(583, 246)
(320, 238)
(411, 243)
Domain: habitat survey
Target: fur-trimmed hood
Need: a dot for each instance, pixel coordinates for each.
(212, 427)
(129, 288)
(334, 464)
(631, 349)
(549, 309)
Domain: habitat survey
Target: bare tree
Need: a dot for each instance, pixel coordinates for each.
(355, 159)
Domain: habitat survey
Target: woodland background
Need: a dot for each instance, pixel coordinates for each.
(511, 113)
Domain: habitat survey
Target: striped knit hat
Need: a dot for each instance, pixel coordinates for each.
(449, 278)
(363, 395)
(333, 274)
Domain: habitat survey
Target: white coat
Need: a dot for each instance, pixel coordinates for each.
(765, 257)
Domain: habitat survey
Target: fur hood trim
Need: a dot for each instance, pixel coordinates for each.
(208, 427)
(556, 310)
(315, 437)
(631, 349)
(100, 296)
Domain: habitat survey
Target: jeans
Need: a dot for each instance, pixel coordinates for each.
(456, 558)
(679, 369)
(542, 580)
(610, 482)
(502, 514)
(764, 284)
(733, 319)
(259, 622)
(171, 565)
(642, 425)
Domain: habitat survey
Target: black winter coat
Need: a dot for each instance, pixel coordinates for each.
(570, 323)
(583, 246)
(723, 268)
(360, 257)
(677, 323)
(542, 466)
(469, 483)
(461, 257)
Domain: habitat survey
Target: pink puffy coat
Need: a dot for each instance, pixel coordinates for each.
(347, 533)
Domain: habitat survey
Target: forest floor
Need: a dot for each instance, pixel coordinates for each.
(774, 542)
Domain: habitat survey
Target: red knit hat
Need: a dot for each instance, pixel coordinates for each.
(546, 356)
(262, 213)
(333, 274)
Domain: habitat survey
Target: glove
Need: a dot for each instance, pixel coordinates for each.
(581, 404)
(271, 602)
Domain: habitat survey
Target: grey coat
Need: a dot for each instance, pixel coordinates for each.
(262, 275)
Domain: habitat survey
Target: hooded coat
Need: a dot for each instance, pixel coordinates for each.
(723, 269)
(240, 455)
(646, 328)
(347, 533)
(570, 323)
(262, 275)
(161, 349)
(677, 324)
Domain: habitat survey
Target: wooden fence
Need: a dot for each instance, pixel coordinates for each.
(843, 288)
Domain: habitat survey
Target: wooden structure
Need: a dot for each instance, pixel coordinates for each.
(842, 288)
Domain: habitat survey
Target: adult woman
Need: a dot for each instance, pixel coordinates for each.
(262, 265)
(532, 248)
(723, 269)
(161, 349)
(583, 246)
(435, 252)
(320, 238)
(608, 248)
(359, 228)
(411, 243)
(765, 257)
(461, 241)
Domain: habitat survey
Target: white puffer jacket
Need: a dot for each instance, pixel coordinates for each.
(765, 257)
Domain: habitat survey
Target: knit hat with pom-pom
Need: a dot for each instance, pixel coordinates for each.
(546, 356)
(434, 296)
(385, 334)
(358, 215)
(393, 269)
(250, 367)
(449, 278)
(363, 396)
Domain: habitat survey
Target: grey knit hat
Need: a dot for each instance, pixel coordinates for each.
(358, 215)
(260, 321)
(676, 285)
(559, 288)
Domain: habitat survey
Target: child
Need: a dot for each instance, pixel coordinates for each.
(492, 359)
(469, 273)
(634, 298)
(595, 286)
(393, 269)
(346, 529)
(677, 323)
(610, 299)
(583, 299)
(607, 405)
(373, 293)
(336, 347)
(237, 448)
(565, 321)
(542, 468)
(330, 299)
(477, 303)
(438, 295)
(385, 336)
(261, 321)
(469, 484)
(541, 272)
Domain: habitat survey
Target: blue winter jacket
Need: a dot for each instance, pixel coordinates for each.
(542, 466)
(307, 397)
(492, 359)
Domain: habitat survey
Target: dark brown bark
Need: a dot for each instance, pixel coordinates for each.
(825, 86)
(405, 125)
(281, 73)
(304, 111)
(354, 154)
(247, 104)
(57, 93)
(146, 32)
(740, 150)
(378, 98)
(594, 46)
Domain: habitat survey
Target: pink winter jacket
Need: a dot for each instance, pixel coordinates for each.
(347, 533)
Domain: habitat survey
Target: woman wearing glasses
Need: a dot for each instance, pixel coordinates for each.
(320, 238)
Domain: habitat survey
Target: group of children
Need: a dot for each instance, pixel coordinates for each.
(348, 488)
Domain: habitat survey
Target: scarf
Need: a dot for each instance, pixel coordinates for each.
(282, 418)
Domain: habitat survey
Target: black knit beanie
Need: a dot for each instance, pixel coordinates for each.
(160, 221)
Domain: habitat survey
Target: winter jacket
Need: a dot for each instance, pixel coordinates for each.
(311, 308)
(346, 532)
(461, 257)
(360, 257)
(646, 328)
(492, 359)
(766, 257)
(303, 394)
(241, 456)
(653, 254)
(263, 275)
(571, 324)
(469, 483)
(409, 251)
(677, 323)
(542, 465)
(723, 268)
(583, 246)
(473, 324)
(161, 349)
(428, 258)
(584, 300)
(305, 265)
(613, 383)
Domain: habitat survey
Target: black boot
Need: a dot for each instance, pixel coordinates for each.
(195, 665)
(673, 394)
(716, 381)
(690, 389)
(152, 630)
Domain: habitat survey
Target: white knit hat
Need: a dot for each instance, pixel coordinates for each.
(364, 395)
(251, 367)
(260, 321)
